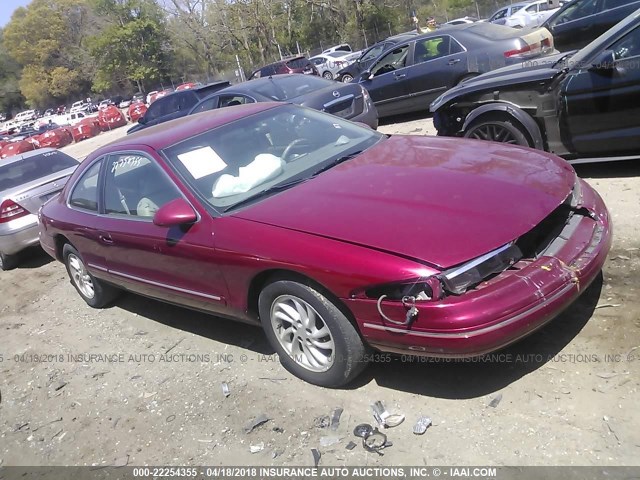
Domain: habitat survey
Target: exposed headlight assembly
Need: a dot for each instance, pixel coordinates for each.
(458, 279)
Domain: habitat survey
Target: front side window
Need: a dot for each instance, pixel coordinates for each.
(628, 46)
(85, 192)
(205, 105)
(576, 9)
(373, 53)
(394, 60)
(136, 187)
(498, 15)
(242, 160)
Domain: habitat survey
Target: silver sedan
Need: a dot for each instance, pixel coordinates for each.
(26, 182)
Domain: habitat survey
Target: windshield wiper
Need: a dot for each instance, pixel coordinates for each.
(335, 162)
(278, 187)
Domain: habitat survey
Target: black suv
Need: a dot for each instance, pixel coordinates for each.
(583, 106)
(580, 21)
(175, 105)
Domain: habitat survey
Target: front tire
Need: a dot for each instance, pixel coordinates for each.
(497, 130)
(314, 339)
(347, 78)
(94, 292)
(328, 75)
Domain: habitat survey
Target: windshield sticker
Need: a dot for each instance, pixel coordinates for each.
(202, 162)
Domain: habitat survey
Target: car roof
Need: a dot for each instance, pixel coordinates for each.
(168, 133)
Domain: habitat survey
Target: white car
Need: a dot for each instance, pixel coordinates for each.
(532, 15)
(343, 47)
(328, 64)
(25, 116)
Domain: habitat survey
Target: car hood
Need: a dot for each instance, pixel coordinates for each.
(435, 200)
(535, 70)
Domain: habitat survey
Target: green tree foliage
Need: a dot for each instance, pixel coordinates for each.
(48, 39)
(10, 96)
(132, 46)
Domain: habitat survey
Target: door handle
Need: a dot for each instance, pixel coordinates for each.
(402, 75)
(453, 62)
(105, 238)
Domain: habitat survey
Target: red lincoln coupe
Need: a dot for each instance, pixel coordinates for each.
(334, 237)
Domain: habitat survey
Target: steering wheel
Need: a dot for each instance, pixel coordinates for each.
(293, 144)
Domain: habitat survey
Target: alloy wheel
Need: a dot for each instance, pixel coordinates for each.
(302, 333)
(494, 133)
(80, 276)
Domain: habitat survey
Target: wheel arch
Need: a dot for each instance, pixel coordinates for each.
(266, 277)
(523, 118)
(60, 241)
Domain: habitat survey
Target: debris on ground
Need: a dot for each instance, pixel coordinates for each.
(335, 418)
(384, 418)
(225, 389)
(375, 442)
(122, 461)
(495, 401)
(363, 430)
(608, 305)
(59, 385)
(256, 448)
(256, 422)
(351, 445)
(316, 456)
(328, 441)
(421, 425)
(322, 421)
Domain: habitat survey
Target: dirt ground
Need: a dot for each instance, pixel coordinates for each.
(140, 382)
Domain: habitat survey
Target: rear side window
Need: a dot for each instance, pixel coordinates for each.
(298, 63)
(499, 14)
(32, 168)
(85, 193)
(205, 105)
(154, 111)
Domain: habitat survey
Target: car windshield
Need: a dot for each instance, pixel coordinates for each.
(239, 161)
(287, 87)
(34, 167)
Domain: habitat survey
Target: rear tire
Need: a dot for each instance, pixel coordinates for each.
(94, 292)
(328, 75)
(501, 130)
(346, 78)
(314, 339)
(8, 262)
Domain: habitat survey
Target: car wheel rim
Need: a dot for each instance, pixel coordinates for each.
(347, 78)
(493, 133)
(327, 75)
(80, 276)
(303, 333)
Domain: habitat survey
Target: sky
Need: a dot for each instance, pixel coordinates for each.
(7, 7)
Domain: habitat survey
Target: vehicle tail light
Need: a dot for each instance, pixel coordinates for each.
(10, 210)
(519, 52)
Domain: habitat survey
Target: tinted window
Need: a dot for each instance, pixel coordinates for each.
(318, 61)
(298, 63)
(208, 104)
(135, 186)
(85, 193)
(285, 88)
(231, 100)
(394, 60)
(576, 9)
(515, 9)
(32, 168)
(609, 4)
(628, 46)
(154, 111)
(372, 54)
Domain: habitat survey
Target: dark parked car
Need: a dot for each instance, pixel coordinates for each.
(580, 21)
(582, 106)
(413, 244)
(413, 73)
(347, 101)
(296, 64)
(175, 105)
(368, 57)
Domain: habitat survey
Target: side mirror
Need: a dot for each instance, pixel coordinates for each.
(604, 62)
(366, 74)
(176, 212)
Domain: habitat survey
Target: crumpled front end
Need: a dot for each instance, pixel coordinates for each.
(496, 299)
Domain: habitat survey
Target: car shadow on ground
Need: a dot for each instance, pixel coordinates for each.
(33, 257)
(621, 169)
(205, 325)
(463, 379)
(453, 379)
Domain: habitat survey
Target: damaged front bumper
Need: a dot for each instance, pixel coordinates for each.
(505, 308)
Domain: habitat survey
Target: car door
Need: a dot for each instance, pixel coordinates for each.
(438, 62)
(388, 80)
(602, 106)
(172, 263)
(576, 25)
